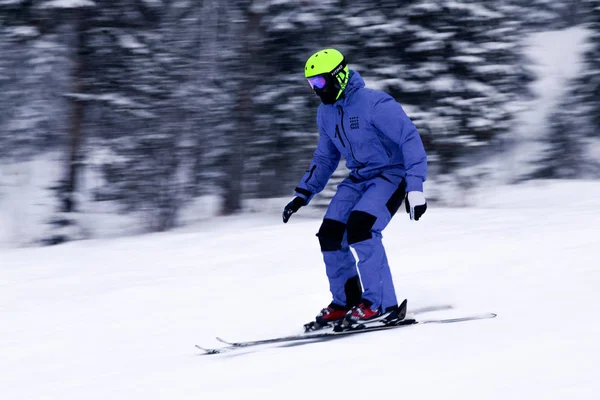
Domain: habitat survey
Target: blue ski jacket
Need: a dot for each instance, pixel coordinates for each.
(373, 134)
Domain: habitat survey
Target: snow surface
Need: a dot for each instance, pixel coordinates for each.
(118, 319)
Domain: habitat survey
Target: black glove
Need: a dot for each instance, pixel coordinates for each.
(292, 207)
(415, 205)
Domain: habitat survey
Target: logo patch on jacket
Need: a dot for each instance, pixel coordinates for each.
(354, 123)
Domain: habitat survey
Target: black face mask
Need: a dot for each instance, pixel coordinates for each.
(328, 94)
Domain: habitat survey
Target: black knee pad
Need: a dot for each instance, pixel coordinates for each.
(331, 235)
(360, 224)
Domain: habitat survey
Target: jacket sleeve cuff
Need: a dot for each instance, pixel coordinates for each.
(303, 194)
(414, 184)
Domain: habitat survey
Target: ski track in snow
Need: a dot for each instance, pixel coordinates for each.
(118, 319)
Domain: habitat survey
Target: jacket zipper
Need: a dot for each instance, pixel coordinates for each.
(311, 173)
(337, 135)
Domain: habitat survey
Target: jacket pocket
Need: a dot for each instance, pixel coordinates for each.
(382, 152)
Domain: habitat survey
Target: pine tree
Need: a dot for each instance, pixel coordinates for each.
(457, 69)
(286, 131)
(34, 59)
(142, 119)
(573, 146)
(35, 72)
(543, 15)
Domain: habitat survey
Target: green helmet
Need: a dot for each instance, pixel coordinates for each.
(328, 74)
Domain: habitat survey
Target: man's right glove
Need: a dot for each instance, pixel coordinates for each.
(292, 207)
(415, 205)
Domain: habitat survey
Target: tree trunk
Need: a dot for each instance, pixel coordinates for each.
(75, 130)
(243, 113)
(63, 225)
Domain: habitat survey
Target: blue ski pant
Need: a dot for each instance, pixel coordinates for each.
(356, 216)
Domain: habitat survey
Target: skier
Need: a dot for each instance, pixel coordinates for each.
(385, 155)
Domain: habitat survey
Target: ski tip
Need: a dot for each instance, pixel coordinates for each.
(208, 351)
(225, 341)
(488, 315)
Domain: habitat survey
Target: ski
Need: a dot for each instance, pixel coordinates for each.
(427, 309)
(230, 346)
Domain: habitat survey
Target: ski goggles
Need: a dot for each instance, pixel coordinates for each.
(317, 82)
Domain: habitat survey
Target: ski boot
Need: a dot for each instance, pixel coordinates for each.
(363, 314)
(327, 317)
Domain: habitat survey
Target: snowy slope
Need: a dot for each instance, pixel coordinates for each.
(118, 319)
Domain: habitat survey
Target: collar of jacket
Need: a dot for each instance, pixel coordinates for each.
(354, 83)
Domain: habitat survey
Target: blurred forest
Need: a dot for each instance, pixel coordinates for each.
(166, 101)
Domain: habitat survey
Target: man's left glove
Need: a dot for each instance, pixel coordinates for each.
(415, 205)
(292, 207)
